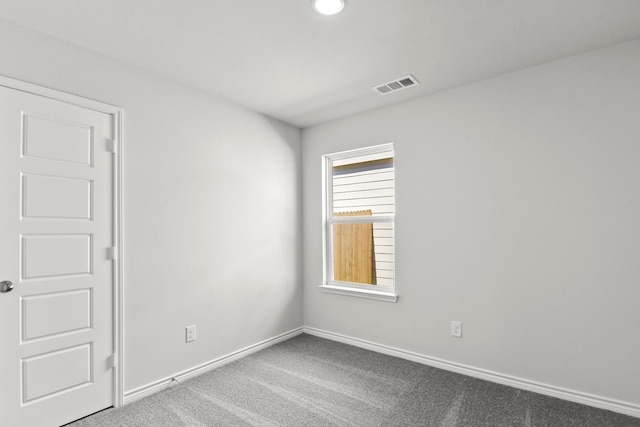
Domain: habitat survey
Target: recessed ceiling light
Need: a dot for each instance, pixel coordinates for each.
(328, 7)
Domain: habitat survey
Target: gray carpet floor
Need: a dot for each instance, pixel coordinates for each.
(310, 381)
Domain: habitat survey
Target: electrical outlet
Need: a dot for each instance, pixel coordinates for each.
(456, 329)
(191, 333)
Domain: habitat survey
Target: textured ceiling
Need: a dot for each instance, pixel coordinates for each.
(280, 58)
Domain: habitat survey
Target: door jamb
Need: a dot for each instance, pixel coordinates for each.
(118, 278)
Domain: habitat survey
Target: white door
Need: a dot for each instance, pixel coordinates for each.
(56, 228)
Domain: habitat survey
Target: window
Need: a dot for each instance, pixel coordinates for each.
(359, 211)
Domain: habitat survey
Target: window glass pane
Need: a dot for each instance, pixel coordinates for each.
(364, 186)
(363, 253)
(383, 252)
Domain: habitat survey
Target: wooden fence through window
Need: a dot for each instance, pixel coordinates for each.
(353, 250)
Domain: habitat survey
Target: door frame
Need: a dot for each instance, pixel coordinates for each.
(118, 279)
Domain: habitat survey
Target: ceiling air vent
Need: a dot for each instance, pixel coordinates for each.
(396, 85)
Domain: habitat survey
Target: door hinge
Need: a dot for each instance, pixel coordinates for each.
(112, 253)
(112, 361)
(112, 145)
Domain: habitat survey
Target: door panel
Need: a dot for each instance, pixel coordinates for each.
(48, 314)
(47, 255)
(56, 372)
(56, 140)
(55, 197)
(56, 225)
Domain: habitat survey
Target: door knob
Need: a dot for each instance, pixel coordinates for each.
(6, 286)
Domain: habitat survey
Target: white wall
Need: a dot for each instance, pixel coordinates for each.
(212, 209)
(518, 213)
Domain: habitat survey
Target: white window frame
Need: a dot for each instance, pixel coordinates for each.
(377, 292)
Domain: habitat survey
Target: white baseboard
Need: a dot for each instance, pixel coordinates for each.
(549, 390)
(159, 385)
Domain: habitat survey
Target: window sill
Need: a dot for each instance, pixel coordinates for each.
(360, 293)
